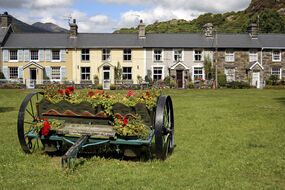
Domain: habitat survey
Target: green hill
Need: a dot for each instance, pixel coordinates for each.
(269, 14)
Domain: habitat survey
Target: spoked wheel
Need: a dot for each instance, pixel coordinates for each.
(28, 118)
(164, 128)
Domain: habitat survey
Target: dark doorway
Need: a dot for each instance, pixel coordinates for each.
(33, 74)
(179, 78)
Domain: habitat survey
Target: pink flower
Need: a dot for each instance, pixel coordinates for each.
(130, 93)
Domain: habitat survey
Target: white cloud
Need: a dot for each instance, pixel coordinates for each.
(49, 3)
(100, 19)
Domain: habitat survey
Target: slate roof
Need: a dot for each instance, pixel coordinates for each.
(108, 40)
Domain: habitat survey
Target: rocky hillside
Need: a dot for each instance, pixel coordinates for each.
(269, 14)
(49, 27)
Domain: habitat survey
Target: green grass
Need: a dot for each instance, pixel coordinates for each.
(226, 139)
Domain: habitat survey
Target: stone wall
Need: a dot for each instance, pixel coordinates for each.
(268, 63)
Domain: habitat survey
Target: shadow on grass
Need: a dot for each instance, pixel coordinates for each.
(6, 109)
(281, 100)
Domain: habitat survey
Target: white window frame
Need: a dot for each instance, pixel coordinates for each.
(85, 54)
(275, 72)
(127, 54)
(13, 60)
(52, 74)
(55, 60)
(253, 55)
(279, 56)
(85, 73)
(17, 71)
(229, 56)
(127, 73)
(32, 55)
(193, 72)
(107, 54)
(197, 54)
(182, 54)
(230, 75)
(154, 55)
(156, 66)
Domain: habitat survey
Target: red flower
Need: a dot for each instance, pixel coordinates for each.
(71, 88)
(130, 93)
(90, 93)
(101, 92)
(61, 92)
(46, 128)
(67, 92)
(125, 121)
(147, 94)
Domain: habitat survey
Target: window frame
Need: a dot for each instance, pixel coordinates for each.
(279, 56)
(13, 60)
(162, 72)
(15, 76)
(85, 55)
(197, 54)
(279, 74)
(155, 55)
(106, 54)
(201, 75)
(175, 55)
(85, 73)
(253, 53)
(127, 55)
(228, 75)
(37, 55)
(229, 53)
(127, 73)
(52, 74)
(52, 57)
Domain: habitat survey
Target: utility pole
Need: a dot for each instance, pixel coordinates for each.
(216, 58)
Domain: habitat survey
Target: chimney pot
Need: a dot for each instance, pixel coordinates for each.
(5, 19)
(141, 30)
(208, 30)
(253, 30)
(73, 29)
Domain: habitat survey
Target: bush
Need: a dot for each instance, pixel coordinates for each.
(238, 85)
(2, 76)
(99, 87)
(167, 80)
(172, 83)
(191, 85)
(273, 80)
(113, 87)
(222, 80)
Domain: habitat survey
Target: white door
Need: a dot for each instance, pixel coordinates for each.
(255, 79)
(106, 78)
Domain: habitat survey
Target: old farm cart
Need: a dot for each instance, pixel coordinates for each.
(87, 128)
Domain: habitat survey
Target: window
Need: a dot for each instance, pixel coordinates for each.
(178, 55)
(127, 54)
(106, 54)
(13, 71)
(13, 55)
(230, 56)
(230, 74)
(55, 73)
(253, 56)
(198, 73)
(157, 73)
(85, 73)
(55, 55)
(34, 55)
(276, 71)
(198, 55)
(276, 55)
(85, 56)
(157, 55)
(127, 73)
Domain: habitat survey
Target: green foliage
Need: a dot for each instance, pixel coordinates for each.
(209, 71)
(118, 71)
(273, 80)
(99, 86)
(172, 83)
(113, 87)
(222, 79)
(238, 85)
(2, 76)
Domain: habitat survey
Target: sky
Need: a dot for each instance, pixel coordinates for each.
(109, 15)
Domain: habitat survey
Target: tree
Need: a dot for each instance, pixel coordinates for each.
(118, 72)
(270, 21)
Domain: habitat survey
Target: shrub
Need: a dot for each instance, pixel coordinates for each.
(273, 80)
(167, 80)
(238, 85)
(190, 85)
(2, 76)
(113, 87)
(172, 83)
(99, 87)
(222, 80)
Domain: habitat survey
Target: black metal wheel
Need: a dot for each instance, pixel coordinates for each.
(164, 128)
(28, 118)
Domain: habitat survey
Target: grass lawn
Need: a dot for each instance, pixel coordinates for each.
(226, 139)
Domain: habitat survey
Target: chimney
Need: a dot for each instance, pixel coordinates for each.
(141, 30)
(253, 30)
(5, 20)
(73, 29)
(208, 30)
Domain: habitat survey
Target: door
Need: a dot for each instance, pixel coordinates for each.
(33, 77)
(179, 78)
(106, 77)
(255, 79)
